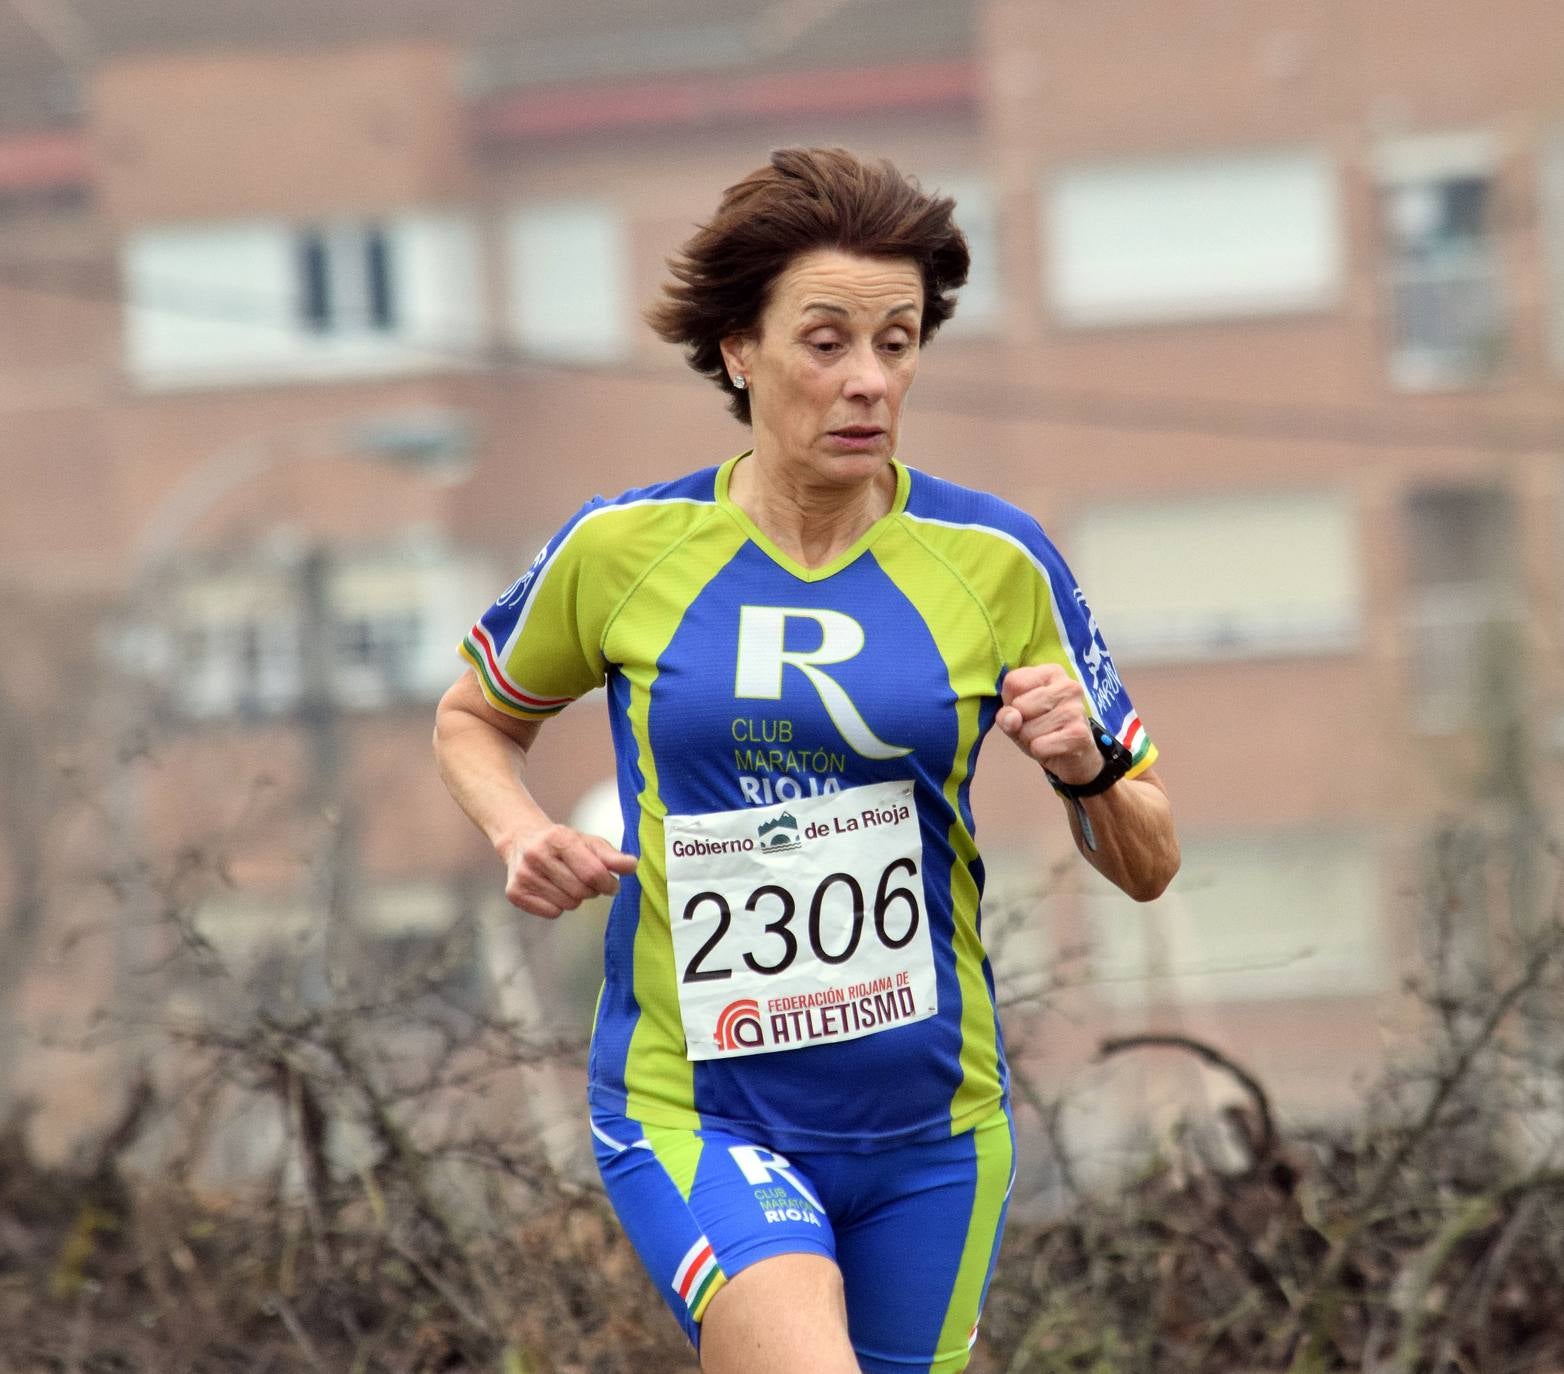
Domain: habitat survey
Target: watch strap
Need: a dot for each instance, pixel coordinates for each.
(1116, 762)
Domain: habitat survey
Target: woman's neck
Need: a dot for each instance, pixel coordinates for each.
(809, 520)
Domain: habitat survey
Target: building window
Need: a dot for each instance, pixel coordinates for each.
(569, 281)
(416, 941)
(407, 940)
(345, 279)
(1467, 878)
(390, 615)
(1463, 605)
(1553, 240)
(268, 945)
(978, 303)
(1222, 576)
(251, 666)
(241, 646)
(1249, 918)
(376, 658)
(229, 304)
(1192, 239)
(1441, 262)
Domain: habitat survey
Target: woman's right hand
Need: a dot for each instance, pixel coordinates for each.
(555, 869)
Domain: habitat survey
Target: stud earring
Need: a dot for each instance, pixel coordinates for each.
(740, 382)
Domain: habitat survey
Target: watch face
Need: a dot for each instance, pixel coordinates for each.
(1111, 750)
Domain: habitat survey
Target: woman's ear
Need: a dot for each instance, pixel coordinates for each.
(736, 352)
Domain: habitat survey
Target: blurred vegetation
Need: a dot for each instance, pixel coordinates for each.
(397, 1210)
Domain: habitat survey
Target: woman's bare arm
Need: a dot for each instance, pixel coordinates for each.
(482, 755)
(1132, 843)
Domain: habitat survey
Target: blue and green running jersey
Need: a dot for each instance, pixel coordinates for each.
(737, 677)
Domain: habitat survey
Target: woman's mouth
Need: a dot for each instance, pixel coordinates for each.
(858, 436)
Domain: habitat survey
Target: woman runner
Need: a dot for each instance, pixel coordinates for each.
(798, 1091)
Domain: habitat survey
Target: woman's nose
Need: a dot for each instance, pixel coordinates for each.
(866, 378)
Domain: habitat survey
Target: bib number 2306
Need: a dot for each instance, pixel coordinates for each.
(801, 923)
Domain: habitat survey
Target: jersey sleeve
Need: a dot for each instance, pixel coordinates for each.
(1064, 630)
(539, 646)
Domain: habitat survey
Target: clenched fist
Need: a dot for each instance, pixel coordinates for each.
(555, 869)
(1044, 712)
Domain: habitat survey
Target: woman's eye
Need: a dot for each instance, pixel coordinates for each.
(825, 345)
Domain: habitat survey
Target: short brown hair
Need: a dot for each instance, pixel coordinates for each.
(805, 199)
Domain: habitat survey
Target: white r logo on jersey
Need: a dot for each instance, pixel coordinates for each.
(762, 657)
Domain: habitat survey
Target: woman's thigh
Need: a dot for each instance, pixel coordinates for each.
(917, 1252)
(779, 1316)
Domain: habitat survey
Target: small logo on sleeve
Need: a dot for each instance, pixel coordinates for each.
(1105, 683)
(518, 589)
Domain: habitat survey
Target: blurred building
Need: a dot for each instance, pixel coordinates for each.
(316, 321)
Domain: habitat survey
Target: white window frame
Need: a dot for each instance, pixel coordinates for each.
(980, 303)
(1400, 166)
(1203, 635)
(1552, 197)
(537, 286)
(427, 585)
(1168, 952)
(1456, 622)
(1077, 212)
(194, 319)
(210, 678)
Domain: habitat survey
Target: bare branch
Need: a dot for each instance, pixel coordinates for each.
(1208, 1054)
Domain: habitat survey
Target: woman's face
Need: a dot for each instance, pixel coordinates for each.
(829, 362)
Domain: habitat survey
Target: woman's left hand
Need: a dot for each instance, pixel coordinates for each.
(1131, 841)
(1044, 712)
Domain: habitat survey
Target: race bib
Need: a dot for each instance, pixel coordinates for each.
(799, 924)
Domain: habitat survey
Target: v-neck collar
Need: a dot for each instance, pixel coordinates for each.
(759, 538)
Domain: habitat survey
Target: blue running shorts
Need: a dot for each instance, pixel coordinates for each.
(914, 1229)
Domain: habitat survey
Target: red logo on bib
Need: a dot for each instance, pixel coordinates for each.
(738, 1025)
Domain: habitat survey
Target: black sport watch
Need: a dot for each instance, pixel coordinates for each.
(1116, 762)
